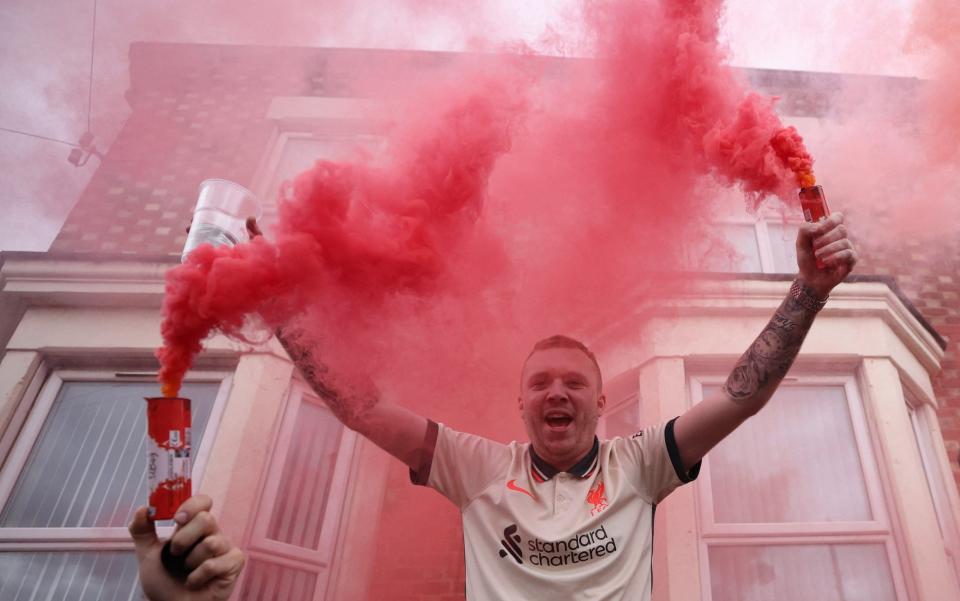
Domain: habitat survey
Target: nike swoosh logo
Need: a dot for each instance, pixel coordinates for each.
(512, 485)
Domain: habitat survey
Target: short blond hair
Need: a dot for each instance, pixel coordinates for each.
(561, 341)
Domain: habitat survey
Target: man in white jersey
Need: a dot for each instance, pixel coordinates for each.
(565, 515)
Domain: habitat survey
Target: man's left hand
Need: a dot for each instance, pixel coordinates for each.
(214, 562)
(825, 240)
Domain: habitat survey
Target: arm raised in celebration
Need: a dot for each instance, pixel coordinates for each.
(763, 366)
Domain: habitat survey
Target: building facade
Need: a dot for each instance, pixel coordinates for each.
(845, 487)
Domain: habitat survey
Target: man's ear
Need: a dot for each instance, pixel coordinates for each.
(601, 404)
(520, 404)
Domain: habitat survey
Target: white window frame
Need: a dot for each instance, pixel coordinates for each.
(318, 561)
(880, 530)
(611, 409)
(86, 538)
(282, 135)
(922, 416)
(762, 235)
(621, 391)
(765, 242)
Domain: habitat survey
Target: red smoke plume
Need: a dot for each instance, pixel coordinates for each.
(614, 144)
(345, 227)
(671, 49)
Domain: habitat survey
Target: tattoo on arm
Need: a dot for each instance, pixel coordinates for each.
(760, 369)
(349, 403)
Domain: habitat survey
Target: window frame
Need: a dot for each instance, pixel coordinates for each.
(88, 538)
(761, 221)
(622, 391)
(285, 132)
(321, 560)
(880, 530)
(922, 416)
(623, 404)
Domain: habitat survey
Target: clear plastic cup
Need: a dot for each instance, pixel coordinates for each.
(220, 217)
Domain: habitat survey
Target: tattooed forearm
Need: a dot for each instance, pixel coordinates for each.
(760, 370)
(349, 403)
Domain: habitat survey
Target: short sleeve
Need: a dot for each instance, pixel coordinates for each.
(457, 465)
(652, 460)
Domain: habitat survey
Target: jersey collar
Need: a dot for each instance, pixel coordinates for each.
(543, 471)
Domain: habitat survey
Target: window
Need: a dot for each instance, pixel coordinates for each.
(761, 245)
(621, 417)
(790, 504)
(295, 152)
(297, 146)
(73, 479)
(920, 418)
(297, 521)
(783, 247)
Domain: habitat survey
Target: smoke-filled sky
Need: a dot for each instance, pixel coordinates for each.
(46, 61)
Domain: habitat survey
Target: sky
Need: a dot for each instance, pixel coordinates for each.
(46, 63)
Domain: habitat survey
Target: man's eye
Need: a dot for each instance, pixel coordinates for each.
(538, 385)
(576, 384)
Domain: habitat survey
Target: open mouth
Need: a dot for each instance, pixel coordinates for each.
(558, 421)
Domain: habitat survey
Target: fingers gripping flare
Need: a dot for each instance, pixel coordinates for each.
(194, 525)
(198, 557)
(210, 547)
(825, 254)
(832, 245)
(143, 532)
(216, 570)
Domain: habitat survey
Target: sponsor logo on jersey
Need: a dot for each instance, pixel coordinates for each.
(511, 543)
(582, 547)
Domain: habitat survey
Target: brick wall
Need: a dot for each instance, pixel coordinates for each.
(419, 554)
(194, 116)
(928, 272)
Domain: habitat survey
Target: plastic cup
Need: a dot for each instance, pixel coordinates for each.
(220, 217)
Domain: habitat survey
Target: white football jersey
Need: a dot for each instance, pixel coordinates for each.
(532, 533)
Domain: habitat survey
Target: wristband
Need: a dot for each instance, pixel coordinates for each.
(806, 298)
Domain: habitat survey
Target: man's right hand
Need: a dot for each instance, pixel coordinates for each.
(253, 228)
(214, 562)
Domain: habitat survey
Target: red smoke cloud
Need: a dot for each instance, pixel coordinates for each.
(669, 52)
(900, 136)
(349, 228)
(602, 183)
(936, 27)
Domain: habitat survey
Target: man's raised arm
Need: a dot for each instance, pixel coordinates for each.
(396, 430)
(391, 427)
(762, 367)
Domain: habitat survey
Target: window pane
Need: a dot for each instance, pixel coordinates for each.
(78, 576)
(846, 572)
(301, 152)
(736, 251)
(308, 468)
(88, 465)
(624, 420)
(795, 461)
(267, 581)
(937, 487)
(783, 244)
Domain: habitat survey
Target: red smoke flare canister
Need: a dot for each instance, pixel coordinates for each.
(814, 205)
(168, 455)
